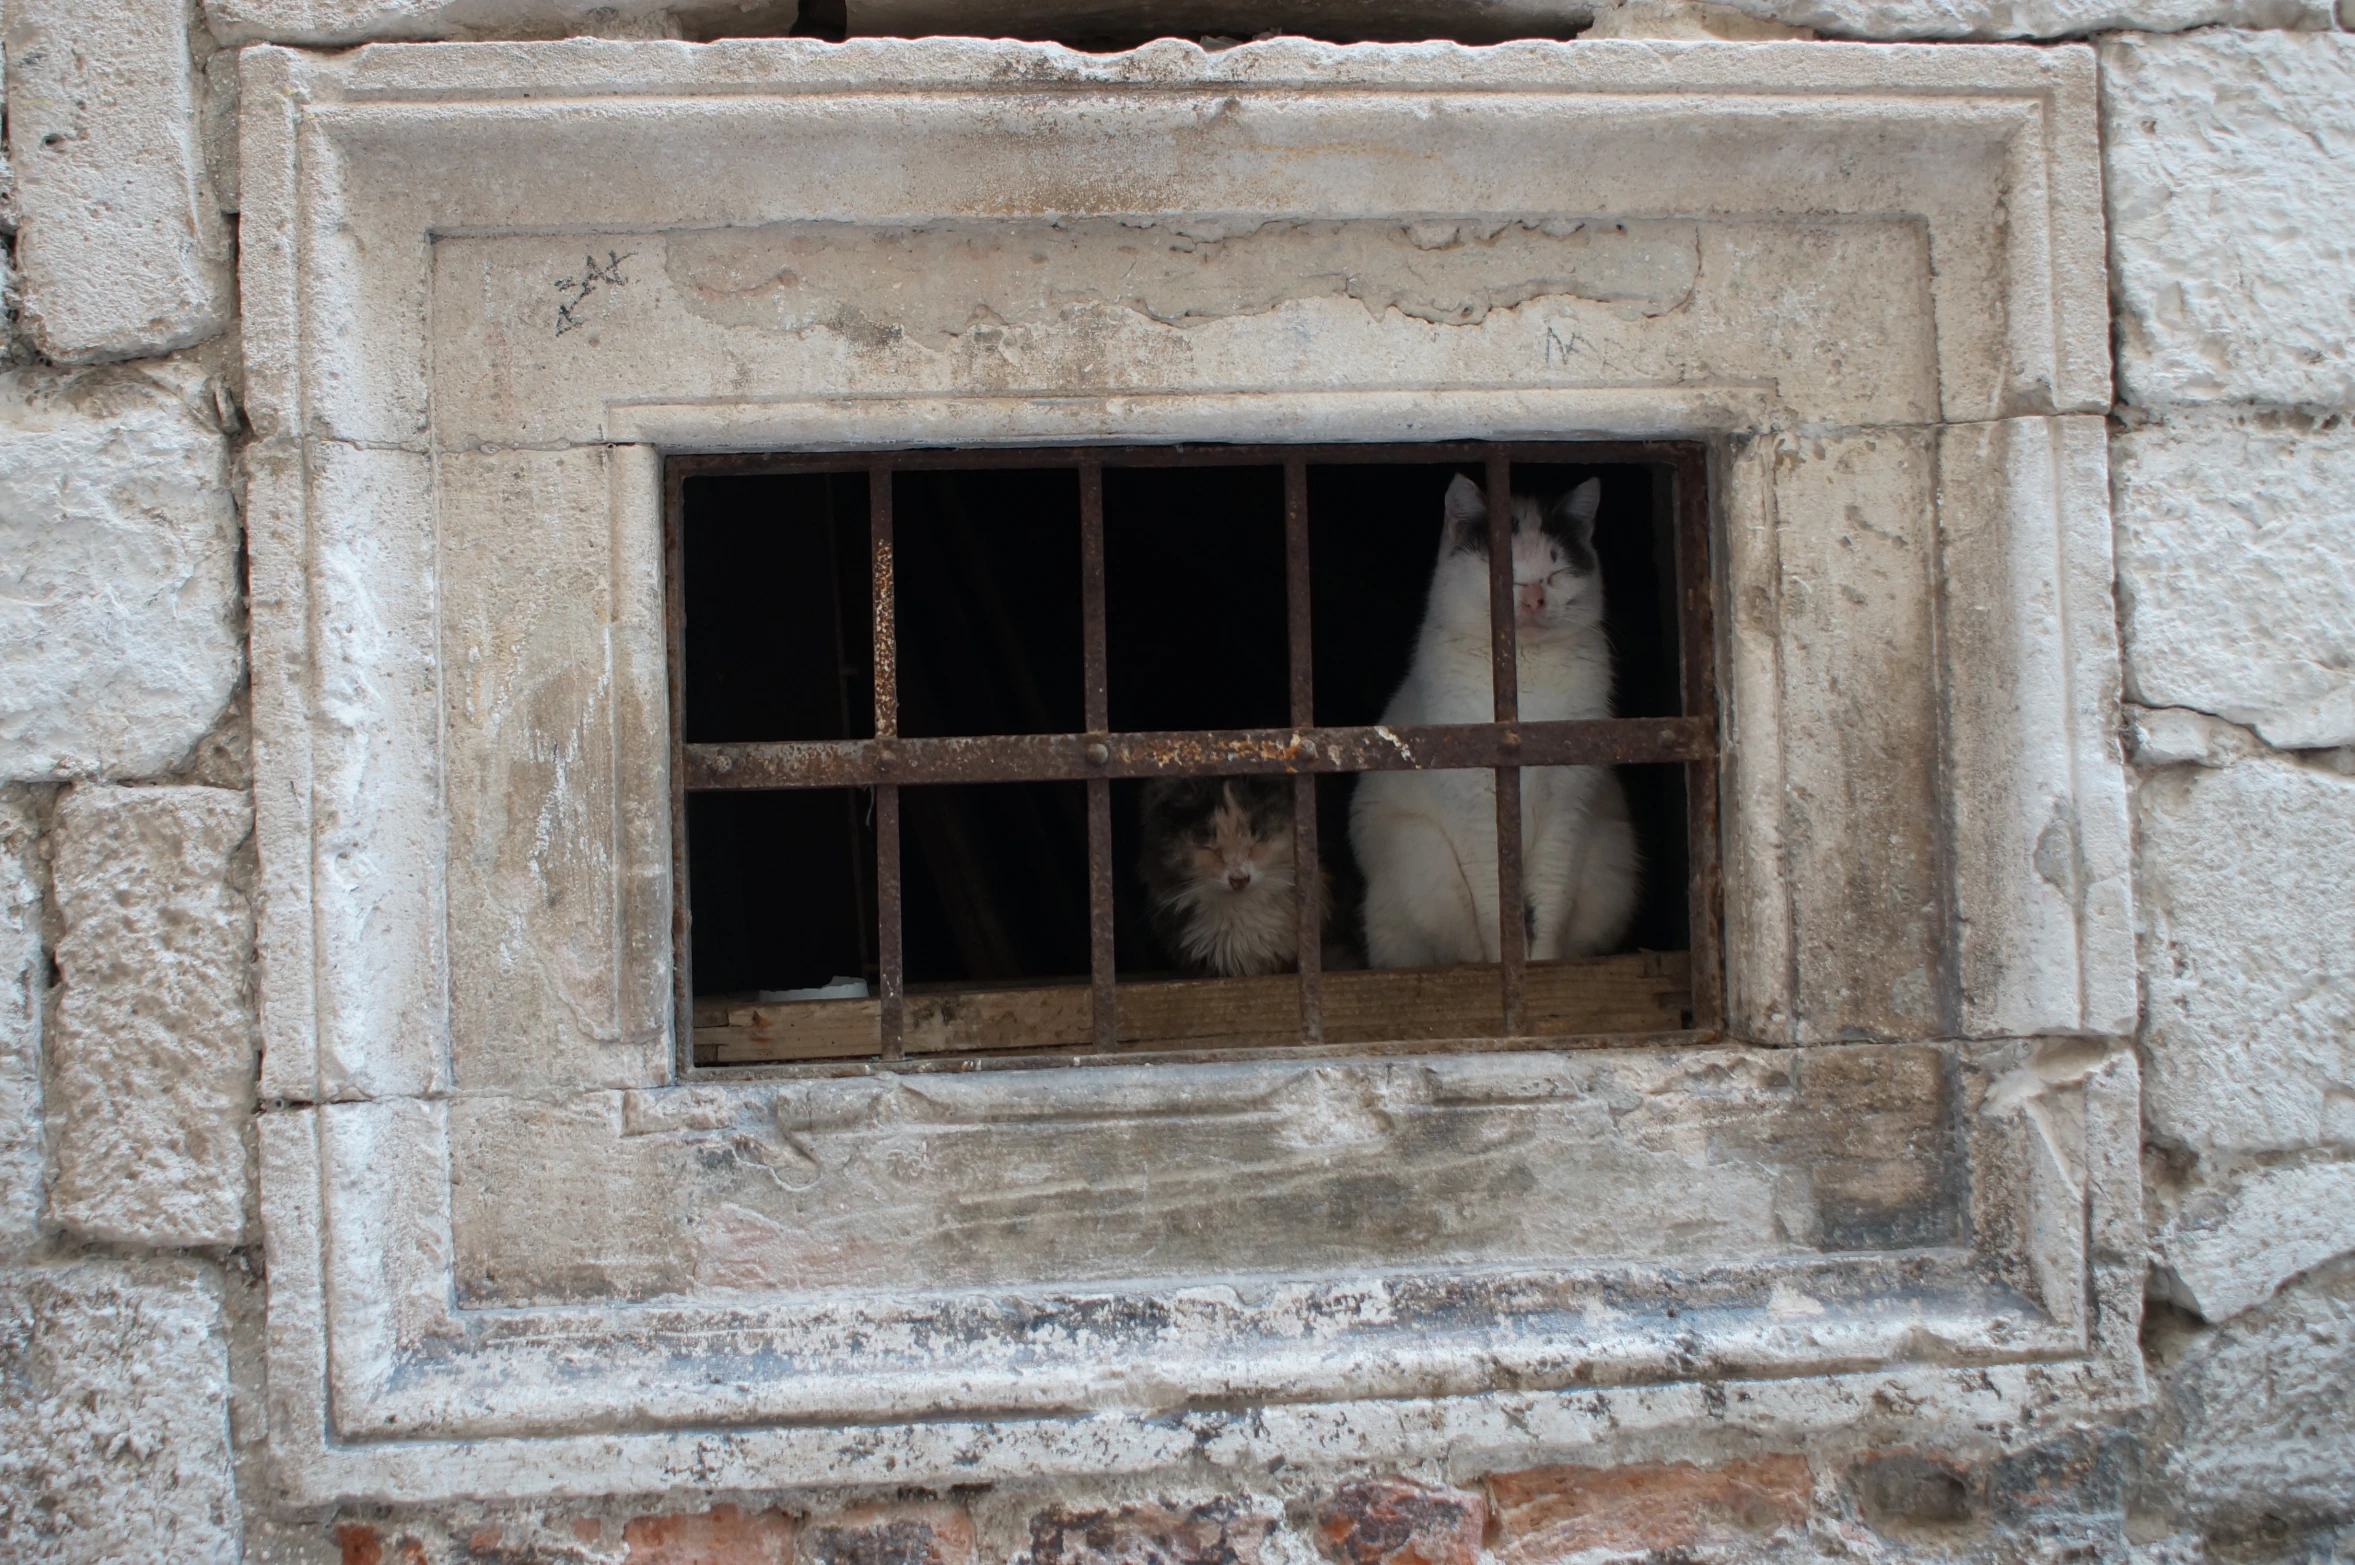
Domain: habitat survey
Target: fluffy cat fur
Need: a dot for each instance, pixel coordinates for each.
(1426, 841)
(1220, 889)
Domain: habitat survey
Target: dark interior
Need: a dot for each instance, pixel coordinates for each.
(1104, 27)
(777, 647)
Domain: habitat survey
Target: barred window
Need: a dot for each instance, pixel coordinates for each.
(918, 698)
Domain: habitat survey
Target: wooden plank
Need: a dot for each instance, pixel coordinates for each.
(1646, 992)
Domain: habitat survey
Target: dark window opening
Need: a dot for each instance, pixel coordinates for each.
(1091, 25)
(1056, 630)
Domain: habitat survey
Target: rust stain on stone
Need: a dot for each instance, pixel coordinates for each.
(1550, 1513)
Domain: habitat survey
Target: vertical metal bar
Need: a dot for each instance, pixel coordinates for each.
(888, 954)
(674, 609)
(1504, 667)
(1511, 912)
(890, 958)
(1698, 654)
(1098, 701)
(1310, 880)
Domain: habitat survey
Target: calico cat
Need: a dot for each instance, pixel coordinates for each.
(1220, 894)
(1426, 841)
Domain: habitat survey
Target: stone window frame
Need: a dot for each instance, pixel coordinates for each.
(384, 1386)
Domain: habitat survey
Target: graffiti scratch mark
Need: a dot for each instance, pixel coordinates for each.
(593, 272)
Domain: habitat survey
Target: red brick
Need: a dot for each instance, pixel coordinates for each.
(361, 1546)
(890, 1535)
(722, 1535)
(1222, 1532)
(1549, 1512)
(1389, 1521)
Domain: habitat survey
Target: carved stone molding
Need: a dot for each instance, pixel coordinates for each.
(515, 1249)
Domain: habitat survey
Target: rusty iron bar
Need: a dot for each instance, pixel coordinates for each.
(674, 612)
(1203, 454)
(890, 958)
(1698, 655)
(1104, 1002)
(1308, 878)
(885, 600)
(889, 762)
(865, 763)
(1512, 920)
(1098, 703)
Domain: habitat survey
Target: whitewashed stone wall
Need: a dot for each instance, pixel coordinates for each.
(2231, 168)
(131, 1390)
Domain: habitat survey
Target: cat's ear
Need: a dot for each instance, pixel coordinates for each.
(1574, 514)
(1466, 510)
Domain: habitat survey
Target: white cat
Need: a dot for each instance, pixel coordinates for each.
(1426, 841)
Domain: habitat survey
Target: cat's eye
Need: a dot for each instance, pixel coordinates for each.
(921, 697)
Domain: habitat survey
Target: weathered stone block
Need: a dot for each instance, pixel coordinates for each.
(153, 1080)
(334, 22)
(1389, 1521)
(533, 774)
(2235, 575)
(118, 574)
(1216, 1532)
(2263, 1408)
(2231, 168)
(114, 1416)
(22, 980)
(122, 249)
(1491, 21)
(2228, 1251)
(1897, 19)
(2178, 736)
(883, 1185)
(1552, 1513)
(2248, 955)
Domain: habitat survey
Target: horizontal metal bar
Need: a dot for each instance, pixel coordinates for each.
(859, 763)
(1463, 452)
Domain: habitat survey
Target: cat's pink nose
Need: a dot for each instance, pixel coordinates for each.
(1237, 879)
(1532, 598)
